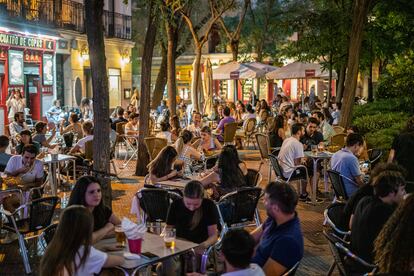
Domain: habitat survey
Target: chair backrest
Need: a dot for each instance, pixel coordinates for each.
(229, 132)
(151, 124)
(374, 156)
(270, 122)
(41, 212)
(120, 128)
(249, 126)
(155, 203)
(68, 138)
(334, 216)
(154, 145)
(338, 139)
(276, 166)
(253, 178)
(292, 271)
(49, 232)
(239, 207)
(263, 143)
(338, 185)
(338, 129)
(339, 261)
(89, 150)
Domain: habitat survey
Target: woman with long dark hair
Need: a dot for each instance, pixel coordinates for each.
(87, 192)
(195, 219)
(161, 168)
(277, 132)
(394, 245)
(229, 174)
(71, 252)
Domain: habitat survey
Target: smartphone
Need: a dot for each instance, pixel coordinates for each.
(149, 255)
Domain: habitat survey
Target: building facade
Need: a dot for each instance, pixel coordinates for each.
(44, 53)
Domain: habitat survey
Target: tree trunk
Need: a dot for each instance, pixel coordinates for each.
(143, 158)
(161, 80)
(370, 85)
(234, 46)
(361, 8)
(171, 79)
(328, 96)
(96, 44)
(196, 80)
(340, 84)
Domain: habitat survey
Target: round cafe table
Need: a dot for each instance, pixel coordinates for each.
(323, 156)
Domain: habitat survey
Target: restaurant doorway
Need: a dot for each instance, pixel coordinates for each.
(33, 95)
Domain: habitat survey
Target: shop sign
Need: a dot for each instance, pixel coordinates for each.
(234, 75)
(309, 73)
(26, 41)
(47, 69)
(31, 56)
(16, 76)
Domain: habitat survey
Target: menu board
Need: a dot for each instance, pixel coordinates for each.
(16, 76)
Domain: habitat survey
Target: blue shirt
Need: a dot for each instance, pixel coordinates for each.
(346, 163)
(283, 243)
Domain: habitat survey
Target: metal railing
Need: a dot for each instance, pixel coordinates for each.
(64, 14)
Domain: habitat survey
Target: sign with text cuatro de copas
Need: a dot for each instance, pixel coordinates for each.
(23, 41)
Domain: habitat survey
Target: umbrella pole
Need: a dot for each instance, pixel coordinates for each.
(236, 90)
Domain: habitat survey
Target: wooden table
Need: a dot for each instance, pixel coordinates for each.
(152, 243)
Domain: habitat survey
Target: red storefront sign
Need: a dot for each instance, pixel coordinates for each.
(309, 73)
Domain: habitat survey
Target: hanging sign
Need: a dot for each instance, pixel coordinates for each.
(26, 41)
(47, 69)
(16, 76)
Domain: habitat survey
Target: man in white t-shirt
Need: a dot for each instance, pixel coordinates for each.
(87, 129)
(291, 154)
(26, 166)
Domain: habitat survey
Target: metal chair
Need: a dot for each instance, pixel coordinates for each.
(334, 217)
(155, 203)
(254, 178)
(120, 130)
(154, 145)
(279, 171)
(41, 212)
(338, 140)
(264, 149)
(374, 156)
(338, 186)
(292, 271)
(344, 259)
(229, 133)
(236, 210)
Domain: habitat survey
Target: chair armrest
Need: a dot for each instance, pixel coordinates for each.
(206, 254)
(353, 256)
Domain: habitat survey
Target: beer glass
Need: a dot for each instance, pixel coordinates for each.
(169, 237)
(120, 236)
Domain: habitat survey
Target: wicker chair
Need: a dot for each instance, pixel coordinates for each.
(248, 132)
(263, 143)
(338, 129)
(154, 145)
(338, 140)
(229, 133)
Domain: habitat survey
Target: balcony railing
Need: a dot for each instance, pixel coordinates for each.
(64, 14)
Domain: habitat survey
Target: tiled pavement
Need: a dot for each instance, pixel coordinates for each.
(317, 257)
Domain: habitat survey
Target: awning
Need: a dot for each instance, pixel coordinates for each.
(29, 29)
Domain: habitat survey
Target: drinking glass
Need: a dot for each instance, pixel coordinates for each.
(321, 147)
(169, 237)
(314, 149)
(120, 236)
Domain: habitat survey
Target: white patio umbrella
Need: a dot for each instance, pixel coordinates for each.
(296, 70)
(235, 70)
